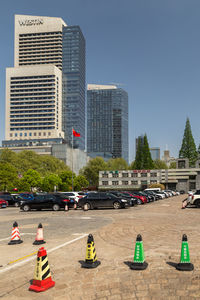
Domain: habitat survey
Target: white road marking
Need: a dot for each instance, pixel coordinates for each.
(86, 218)
(33, 257)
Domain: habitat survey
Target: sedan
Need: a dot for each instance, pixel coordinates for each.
(102, 200)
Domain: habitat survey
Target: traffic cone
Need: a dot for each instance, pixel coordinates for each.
(39, 239)
(185, 264)
(139, 262)
(15, 238)
(91, 257)
(42, 278)
(184, 203)
(66, 207)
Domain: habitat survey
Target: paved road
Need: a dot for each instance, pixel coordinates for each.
(161, 224)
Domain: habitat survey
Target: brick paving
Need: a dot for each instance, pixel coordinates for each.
(161, 225)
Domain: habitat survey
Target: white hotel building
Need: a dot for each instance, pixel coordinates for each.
(34, 85)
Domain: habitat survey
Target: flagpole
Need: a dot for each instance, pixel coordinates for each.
(72, 161)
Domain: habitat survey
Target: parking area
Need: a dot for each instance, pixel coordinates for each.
(160, 223)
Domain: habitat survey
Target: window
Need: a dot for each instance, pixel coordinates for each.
(115, 182)
(30, 133)
(104, 182)
(143, 174)
(125, 182)
(15, 134)
(134, 182)
(124, 174)
(144, 182)
(115, 175)
(104, 175)
(134, 174)
(25, 134)
(10, 134)
(20, 134)
(35, 133)
(153, 181)
(154, 174)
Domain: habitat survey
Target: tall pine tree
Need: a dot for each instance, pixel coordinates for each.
(147, 160)
(143, 158)
(137, 165)
(188, 148)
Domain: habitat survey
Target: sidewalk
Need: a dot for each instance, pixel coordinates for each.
(161, 225)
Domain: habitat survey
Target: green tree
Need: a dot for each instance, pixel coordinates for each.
(159, 164)
(8, 176)
(91, 170)
(80, 182)
(147, 160)
(32, 178)
(50, 182)
(138, 163)
(117, 164)
(188, 148)
(66, 180)
(143, 158)
(172, 165)
(157, 185)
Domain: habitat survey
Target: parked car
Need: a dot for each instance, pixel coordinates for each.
(54, 201)
(141, 198)
(156, 197)
(150, 197)
(194, 199)
(102, 200)
(3, 203)
(8, 197)
(73, 195)
(132, 200)
(16, 199)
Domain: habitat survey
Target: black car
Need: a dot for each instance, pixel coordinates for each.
(132, 200)
(102, 200)
(9, 198)
(46, 201)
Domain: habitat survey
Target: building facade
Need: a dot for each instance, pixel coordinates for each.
(175, 179)
(73, 68)
(107, 121)
(155, 153)
(37, 107)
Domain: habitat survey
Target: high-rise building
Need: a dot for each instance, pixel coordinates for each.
(155, 153)
(107, 121)
(37, 104)
(73, 68)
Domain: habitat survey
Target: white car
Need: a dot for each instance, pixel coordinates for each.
(73, 195)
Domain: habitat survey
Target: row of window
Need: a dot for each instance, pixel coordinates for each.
(40, 33)
(30, 134)
(32, 77)
(133, 182)
(131, 175)
(33, 128)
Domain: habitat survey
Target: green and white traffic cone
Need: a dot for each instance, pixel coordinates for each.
(139, 262)
(185, 264)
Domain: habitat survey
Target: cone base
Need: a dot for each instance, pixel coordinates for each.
(15, 242)
(139, 266)
(91, 265)
(41, 285)
(185, 267)
(39, 242)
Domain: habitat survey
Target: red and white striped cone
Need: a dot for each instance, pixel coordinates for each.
(184, 203)
(39, 236)
(66, 207)
(15, 238)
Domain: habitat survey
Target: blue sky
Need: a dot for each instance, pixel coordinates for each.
(150, 47)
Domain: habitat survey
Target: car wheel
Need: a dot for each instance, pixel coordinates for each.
(197, 203)
(16, 204)
(116, 205)
(86, 206)
(26, 207)
(55, 207)
(139, 201)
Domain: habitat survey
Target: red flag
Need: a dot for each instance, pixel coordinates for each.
(75, 133)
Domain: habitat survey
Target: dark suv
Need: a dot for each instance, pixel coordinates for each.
(100, 200)
(46, 201)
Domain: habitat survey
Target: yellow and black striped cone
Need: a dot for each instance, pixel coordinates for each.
(42, 277)
(91, 257)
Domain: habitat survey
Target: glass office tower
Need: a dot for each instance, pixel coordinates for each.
(107, 122)
(73, 67)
